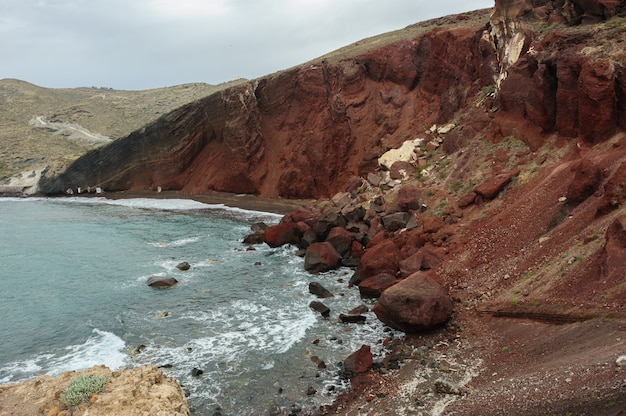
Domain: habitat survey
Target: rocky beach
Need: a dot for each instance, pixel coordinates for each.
(469, 171)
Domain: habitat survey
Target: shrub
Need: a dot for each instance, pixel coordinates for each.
(81, 388)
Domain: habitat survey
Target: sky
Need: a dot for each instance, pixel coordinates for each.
(142, 44)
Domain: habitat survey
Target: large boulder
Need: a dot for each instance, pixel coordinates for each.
(422, 259)
(373, 286)
(417, 303)
(281, 234)
(587, 178)
(161, 282)
(409, 198)
(380, 258)
(341, 240)
(321, 257)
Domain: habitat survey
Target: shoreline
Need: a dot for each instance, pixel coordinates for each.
(249, 202)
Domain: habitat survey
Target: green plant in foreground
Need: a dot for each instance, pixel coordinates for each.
(81, 388)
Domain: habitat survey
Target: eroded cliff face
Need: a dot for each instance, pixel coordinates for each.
(304, 132)
(561, 68)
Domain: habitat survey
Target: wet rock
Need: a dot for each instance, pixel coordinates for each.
(373, 286)
(359, 361)
(258, 226)
(321, 257)
(310, 391)
(320, 291)
(161, 282)
(359, 310)
(417, 303)
(351, 318)
(196, 372)
(183, 266)
(257, 237)
(318, 362)
(281, 234)
(320, 308)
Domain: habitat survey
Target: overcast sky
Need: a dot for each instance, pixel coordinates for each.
(141, 44)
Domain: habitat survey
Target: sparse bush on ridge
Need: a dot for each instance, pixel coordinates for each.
(81, 388)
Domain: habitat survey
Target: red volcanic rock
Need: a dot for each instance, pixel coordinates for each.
(281, 234)
(614, 252)
(373, 286)
(306, 215)
(467, 199)
(423, 259)
(492, 187)
(321, 257)
(359, 361)
(432, 224)
(381, 258)
(614, 191)
(417, 303)
(587, 178)
(409, 198)
(401, 170)
(341, 240)
(298, 133)
(596, 104)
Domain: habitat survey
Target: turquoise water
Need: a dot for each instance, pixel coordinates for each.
(74, 295)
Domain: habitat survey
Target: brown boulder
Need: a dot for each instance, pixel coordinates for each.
(341, 240)
(281, 234)
(302, 214)
(409, 198)
(492, 187)
(417, 303)
(467, 199)
(401, 170)
(432, 224)
(320, 308)
(587, 178)
(423, 259)
(359, 361)
(381, 258)
(373, 286)
(316, 288)
(321, 257)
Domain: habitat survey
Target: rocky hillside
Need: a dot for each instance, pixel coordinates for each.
(505, 188)
(43, 128)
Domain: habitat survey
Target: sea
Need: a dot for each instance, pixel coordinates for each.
(237, 331)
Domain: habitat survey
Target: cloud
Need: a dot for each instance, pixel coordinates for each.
(142, 44)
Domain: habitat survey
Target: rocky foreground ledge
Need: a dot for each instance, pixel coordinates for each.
(138, 391)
